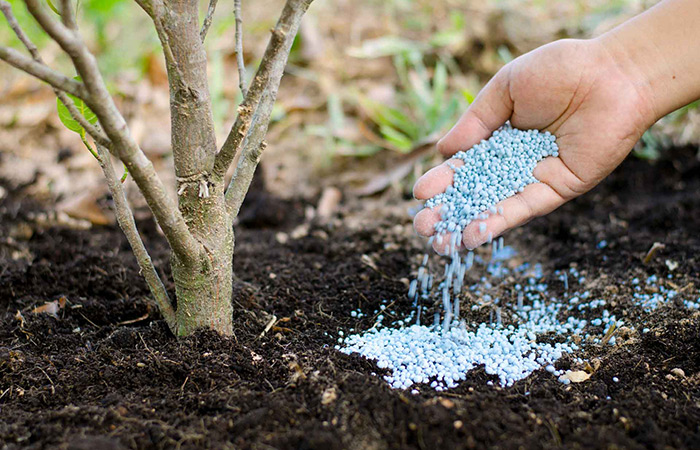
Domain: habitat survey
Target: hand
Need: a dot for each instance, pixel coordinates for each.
(574, 89)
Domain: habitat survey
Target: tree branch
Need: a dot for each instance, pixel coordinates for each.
(265, 86)
(99, 100)
(239, 47)
(96, 134)
(123, 213)
(68, 15)
(155, 11)
(42, 72)
(207, 20)
(245, 170)
(125, 218)
(266, 80)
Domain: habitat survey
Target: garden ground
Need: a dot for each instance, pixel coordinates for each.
(106, 373)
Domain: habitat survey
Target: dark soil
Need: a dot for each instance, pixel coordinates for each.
(107, 374)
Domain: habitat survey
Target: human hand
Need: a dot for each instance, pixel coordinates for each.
(578, 91)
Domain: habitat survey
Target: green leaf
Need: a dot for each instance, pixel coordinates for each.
(650, 147)
(53, 7)
(103, 6)
(439, 82)
(385, 46)
(468, 96)
(454, 34)
(384, 115)
(447, 115)
(505, 54)
(402, 143)
(358, 151)
(336, 117)
(67, 120)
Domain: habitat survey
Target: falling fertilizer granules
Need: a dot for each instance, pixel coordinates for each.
(529, 328)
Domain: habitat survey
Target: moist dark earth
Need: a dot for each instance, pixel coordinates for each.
(107, 374)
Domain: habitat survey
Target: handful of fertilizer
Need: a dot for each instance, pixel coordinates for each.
(492, 171)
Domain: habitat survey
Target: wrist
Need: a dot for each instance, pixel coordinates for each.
(633, 64)
(658, 51)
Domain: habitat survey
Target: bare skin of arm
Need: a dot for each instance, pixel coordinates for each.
(596, 96)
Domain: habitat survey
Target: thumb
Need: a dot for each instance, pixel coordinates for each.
(491, 109)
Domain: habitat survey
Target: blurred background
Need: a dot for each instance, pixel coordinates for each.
(370, 87)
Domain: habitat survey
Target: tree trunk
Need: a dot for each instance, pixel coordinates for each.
(203, 282)
(204, 286)
(204, 291)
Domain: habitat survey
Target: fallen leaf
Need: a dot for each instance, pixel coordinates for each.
(20, 318)
(576, 376)
(50, 308)
(85, 206)
(155, 70)
(368, 261)
(446, 403)
(397, 173)
(671, 264)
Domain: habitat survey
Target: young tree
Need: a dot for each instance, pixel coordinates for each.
(199, 228)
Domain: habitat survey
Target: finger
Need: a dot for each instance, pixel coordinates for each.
(442, 244)
(425, 220)
(436, 180)
(491, 109)
(424, 224)
(535, 200)
(555, 173)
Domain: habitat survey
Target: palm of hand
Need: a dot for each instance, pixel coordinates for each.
(575, 90)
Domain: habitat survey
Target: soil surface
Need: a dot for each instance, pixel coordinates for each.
(106, 373)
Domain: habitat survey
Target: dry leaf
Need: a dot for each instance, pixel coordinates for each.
(368, 261)
(155, 70)
(446, 403)
(395, 174)
(17, 172)
(84, 206)
(51, 308)
(20, 318)
(576, 376)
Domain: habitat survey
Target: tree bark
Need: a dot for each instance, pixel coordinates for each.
(204, 289)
